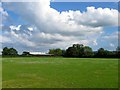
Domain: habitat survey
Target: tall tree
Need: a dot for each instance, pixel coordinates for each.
(9, 52)
(76, 50)
(101, 52)
(13, 52)
(88, 51)
(5, 51)
(56, 52)
(71, 52)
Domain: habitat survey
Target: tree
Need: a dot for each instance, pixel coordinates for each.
(63, 52)
(101, 52)
(88, 51)
(56, 52)
(25, 53)
(51, 51)
(71, 52)
(5, 51)
(76, 50)
(79, 50)
(13, 52)
(9, 52)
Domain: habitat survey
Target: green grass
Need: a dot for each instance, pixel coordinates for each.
(0, 73)
(35, 72)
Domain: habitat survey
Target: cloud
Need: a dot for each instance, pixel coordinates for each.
(112, 45)
(15, 27)
(50, 28)
(3, 13)
(93, 17)
(30, 28)
(4, 39)
(95, 42)
(111, 40)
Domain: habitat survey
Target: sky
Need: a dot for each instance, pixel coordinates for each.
(38, 27)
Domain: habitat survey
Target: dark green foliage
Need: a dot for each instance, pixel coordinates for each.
(72, 52)
(5, 51)
(63, 52)
(9, 52)
(105, 53)
(88, 52)
(25, 53)
(101, 52)
(79, 50)
(56, 52)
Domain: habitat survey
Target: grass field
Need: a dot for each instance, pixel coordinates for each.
(35, 72)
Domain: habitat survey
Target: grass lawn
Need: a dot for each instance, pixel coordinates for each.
(35, 72)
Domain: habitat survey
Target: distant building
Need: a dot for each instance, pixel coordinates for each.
(40, 54)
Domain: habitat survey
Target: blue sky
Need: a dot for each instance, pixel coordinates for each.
(38, 27)
(64, 6)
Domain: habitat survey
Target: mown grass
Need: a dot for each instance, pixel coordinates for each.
(0, 73)
(35, 72)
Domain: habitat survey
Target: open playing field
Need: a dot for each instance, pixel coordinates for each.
(35, 72)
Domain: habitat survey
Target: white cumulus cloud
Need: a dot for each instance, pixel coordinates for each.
(54, 29)
(15, 27)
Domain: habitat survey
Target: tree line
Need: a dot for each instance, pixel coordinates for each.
(76, 50)
(9, 52)
(81, 51)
